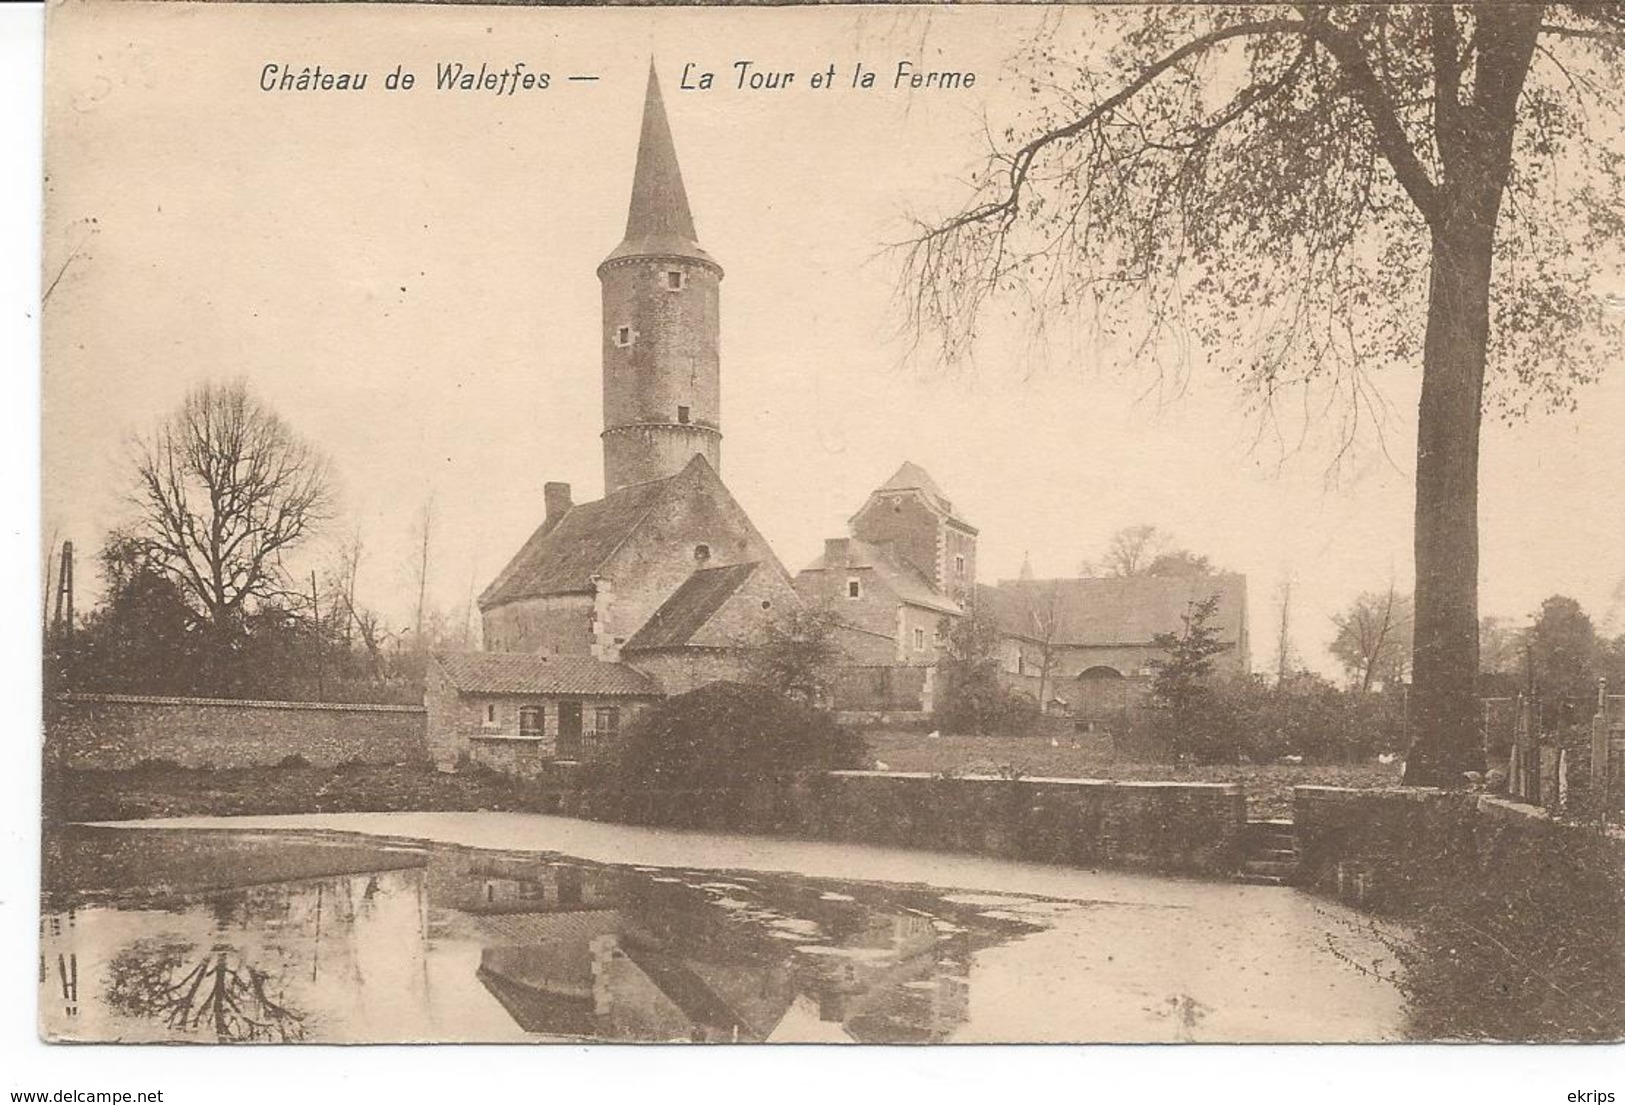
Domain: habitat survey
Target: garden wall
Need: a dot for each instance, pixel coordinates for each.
(1512, 917)
(1385, 849)
(113, 732)
(1185, 827)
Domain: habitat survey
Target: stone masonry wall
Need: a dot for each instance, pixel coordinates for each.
(119, 731)
(1384, 849)
(1178, 827)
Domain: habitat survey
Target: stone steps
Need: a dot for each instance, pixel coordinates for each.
(1270, 853)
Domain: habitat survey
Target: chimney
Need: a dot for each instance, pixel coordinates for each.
(557, 498)
(836, 550)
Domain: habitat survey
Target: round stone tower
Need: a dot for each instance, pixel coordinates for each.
(662, 385)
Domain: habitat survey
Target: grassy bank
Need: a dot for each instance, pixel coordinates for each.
(351, 788)
(1268, 786)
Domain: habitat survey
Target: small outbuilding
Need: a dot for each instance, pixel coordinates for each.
(516, 711)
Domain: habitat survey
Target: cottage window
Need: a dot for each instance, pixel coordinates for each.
(491, 712)
(675, 280)
(854, 589)
(531, 721)
(607, 720)
(623, 336)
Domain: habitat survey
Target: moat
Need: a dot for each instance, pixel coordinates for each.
(466, 927)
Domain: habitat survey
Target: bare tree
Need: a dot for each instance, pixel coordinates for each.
(1130, 551)
(1042, 613)
(1374, 637)
(423, 531)
(1284, 187)
(225, 489)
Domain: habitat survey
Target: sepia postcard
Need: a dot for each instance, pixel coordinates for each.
(832, 524)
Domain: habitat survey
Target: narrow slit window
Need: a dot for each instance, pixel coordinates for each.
(623, 336)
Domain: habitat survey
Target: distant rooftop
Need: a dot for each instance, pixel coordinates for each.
(526, 673)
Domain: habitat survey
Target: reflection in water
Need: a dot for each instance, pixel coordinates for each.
(231, 937)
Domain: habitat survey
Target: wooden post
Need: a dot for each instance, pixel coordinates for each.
(1601, 769)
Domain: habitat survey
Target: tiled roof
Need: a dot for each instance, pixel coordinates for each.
(691, 606)
(1127, 611)
(525, 673)
(563, 559)
(902, 579)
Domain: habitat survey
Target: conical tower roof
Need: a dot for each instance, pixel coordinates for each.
(658, 220)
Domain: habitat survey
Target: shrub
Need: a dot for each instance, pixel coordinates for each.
(293, 759)
(707, 746)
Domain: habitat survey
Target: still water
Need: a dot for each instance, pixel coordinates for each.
(211, 936)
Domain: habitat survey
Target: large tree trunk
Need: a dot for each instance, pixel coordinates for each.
(1445, 714)
(1475, 147)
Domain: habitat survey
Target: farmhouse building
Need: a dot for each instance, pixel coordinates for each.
(659, 586)
(512, 712)
(909, 563)
(1084, 647)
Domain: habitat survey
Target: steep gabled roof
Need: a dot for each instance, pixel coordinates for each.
(903, 580)
(1127, 611)
(685, 613)
(563, 559)
(658, 220)
(911, 477)
(525, 673)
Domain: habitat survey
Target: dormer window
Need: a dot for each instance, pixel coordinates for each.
(623, 336)
(675, 279)
(682, 415)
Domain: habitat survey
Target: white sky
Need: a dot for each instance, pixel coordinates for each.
(409, 279)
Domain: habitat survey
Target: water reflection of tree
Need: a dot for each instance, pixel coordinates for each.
(215, 994)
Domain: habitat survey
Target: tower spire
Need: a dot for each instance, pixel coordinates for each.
(661, 293)
(658, 219)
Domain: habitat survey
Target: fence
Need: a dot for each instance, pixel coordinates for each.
(1552, 748)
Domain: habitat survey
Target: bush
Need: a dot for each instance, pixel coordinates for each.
(293, 759)
(704, 748)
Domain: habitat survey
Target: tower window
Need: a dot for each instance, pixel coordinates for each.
(702, 553)
(682, 415)
(854, 589)
(919, 639)
(623, 336)
(959, 566)
(675, 279)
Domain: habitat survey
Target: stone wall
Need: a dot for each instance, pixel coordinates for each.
(119, 731)
(1385, 849)
(1194, 828)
